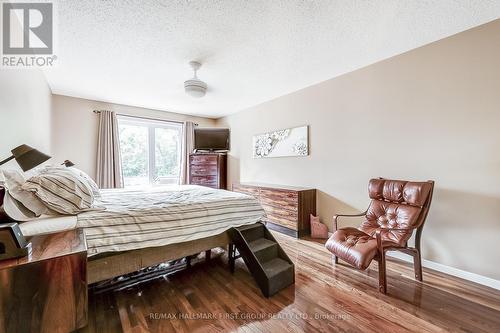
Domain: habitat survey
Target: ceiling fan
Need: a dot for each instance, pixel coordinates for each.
(195, 87)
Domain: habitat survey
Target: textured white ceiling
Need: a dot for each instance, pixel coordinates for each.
(136, 52)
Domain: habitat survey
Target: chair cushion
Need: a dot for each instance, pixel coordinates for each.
(399, 191)
(395, 204)
(382, 214)
(354, 246)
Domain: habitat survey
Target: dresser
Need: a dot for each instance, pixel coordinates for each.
(208, 169)
(287, 207)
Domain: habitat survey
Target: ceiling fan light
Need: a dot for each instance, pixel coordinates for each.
(195, 88)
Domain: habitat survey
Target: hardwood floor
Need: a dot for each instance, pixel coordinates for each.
(325, 298)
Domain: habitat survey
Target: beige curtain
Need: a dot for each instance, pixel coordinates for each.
(187, 148)
(109, 165)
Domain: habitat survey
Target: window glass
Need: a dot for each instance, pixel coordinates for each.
(167, 155)
(150, 151)
(134, 154)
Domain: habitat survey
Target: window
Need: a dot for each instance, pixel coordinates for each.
(150, 151)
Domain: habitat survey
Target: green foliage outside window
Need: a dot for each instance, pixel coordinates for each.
(134, 150)
(166, 152)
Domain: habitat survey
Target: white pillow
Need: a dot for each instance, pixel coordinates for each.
(13, 182)
(16, 210)
(61, 190)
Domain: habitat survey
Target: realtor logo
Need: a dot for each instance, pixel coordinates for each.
(27, 29)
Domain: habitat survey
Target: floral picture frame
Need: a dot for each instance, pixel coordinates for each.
(286, 142)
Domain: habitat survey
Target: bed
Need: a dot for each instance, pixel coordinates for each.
(137, 228)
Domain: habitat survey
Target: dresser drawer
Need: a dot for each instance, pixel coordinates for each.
(283, 204)
(203, 159)
(204, 170)
(278, 215)
(281, 213)
(279, 196)
(253, 191)
(292, 226)
(210, 181)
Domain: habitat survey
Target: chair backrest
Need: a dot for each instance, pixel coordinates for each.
(397, 204)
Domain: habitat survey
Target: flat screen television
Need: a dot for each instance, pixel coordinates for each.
(211, 139)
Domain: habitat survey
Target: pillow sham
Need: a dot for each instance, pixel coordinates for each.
(16, 210)
(61, 190)
(13, 182)
(90, 182)
(84, 177)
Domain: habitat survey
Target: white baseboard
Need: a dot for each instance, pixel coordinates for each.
(473, 277)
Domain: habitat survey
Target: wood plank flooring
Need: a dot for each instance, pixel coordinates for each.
(325, 298)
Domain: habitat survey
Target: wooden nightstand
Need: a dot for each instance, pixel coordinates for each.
(46, 291)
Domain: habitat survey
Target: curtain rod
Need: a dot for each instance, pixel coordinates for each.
(148, 118)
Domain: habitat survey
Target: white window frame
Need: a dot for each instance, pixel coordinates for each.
(152, 124)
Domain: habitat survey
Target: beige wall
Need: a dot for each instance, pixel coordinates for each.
(74, 127)
(25, 111)
(432, 113)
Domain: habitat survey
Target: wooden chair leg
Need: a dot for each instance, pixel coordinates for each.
(231, 257)
(382, 278)
(417, 265)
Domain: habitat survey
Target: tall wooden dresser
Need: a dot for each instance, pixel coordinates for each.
(287, 208)
(208, 169)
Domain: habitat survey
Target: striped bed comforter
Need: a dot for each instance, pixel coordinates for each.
(160, 216)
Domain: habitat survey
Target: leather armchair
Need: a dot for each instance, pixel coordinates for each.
(397, 209)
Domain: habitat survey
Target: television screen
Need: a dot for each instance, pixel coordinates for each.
(211, 138)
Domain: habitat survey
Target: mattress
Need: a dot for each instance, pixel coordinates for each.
(158, 216)
(48, 225)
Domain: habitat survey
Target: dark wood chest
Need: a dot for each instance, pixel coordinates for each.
(208, 170)
(287, 208)
(47, 290)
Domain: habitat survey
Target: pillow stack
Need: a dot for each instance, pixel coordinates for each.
(52, 191)
(19, 204)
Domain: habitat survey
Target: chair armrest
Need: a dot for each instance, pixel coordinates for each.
(335, 218)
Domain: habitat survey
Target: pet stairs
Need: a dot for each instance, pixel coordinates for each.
(264, 257)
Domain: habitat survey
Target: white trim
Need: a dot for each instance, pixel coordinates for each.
(473, 277)
(484, 280)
